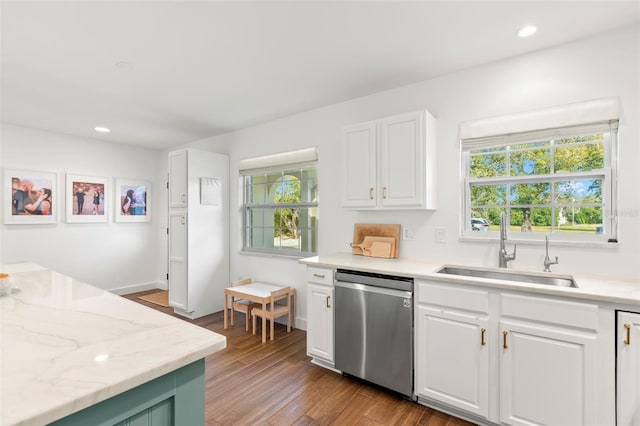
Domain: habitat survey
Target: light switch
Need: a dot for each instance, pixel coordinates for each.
(441, 235)
(408, 235)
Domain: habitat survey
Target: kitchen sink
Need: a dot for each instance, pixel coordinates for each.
(520, 276)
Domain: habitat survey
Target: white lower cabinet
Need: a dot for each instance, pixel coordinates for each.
(452, 360)
(628, 368)
(456, 370)
(509, 358)
(320, 297)
(547, 375)
(548, 361)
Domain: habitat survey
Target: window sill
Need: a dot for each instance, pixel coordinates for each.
(295, 256)
(558, 243)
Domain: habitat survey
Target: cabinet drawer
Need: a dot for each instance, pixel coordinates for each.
(575, 314)
(455, 297)
(320, 276)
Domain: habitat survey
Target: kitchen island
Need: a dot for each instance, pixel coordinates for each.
(75, 354)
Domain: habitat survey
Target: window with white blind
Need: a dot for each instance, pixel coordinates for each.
(281, 203)
(559, 181)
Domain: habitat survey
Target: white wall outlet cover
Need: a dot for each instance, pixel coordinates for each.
(441, 235)
(407, 234)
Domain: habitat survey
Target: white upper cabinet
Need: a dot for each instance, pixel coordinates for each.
(405, 160)
(359, 165)
(390, 163)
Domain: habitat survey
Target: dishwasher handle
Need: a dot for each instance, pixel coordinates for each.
(375, 289)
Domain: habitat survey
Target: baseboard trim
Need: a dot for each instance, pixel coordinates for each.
(456, 412)
(301, 323)
(120, 291)
(324, 364)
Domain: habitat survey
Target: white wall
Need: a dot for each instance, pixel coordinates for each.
(603, 66)
(108, 255)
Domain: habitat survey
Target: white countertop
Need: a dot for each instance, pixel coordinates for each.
(53, 327)
(591, 287)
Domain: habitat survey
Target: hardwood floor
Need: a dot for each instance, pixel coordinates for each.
(249, 383)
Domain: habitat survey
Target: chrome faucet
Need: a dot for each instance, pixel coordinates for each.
(503, 256)
(547, 261)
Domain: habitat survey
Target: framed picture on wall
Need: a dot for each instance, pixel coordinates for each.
(87, 201)
(30, 197)
(132, 200)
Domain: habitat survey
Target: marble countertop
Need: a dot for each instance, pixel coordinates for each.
(590, 287)
(66, 345)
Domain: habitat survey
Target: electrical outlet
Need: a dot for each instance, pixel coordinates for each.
(441, 235)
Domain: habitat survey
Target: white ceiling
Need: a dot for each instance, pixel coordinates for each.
(201, 68)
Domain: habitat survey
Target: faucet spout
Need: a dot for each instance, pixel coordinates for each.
(547, 261)
(503, 256)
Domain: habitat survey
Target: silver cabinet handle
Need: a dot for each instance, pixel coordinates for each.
(318, 275)
(328, 298)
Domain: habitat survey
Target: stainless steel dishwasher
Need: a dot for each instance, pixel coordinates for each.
(374, 328)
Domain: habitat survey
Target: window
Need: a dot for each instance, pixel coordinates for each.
(554, 181)
(281, 204)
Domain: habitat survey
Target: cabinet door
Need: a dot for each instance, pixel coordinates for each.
(320, 322)
(547, 375)
(178, 276)
(178, 179)
(452, 364)
(628, 368)
(359, 165)
(403, 160)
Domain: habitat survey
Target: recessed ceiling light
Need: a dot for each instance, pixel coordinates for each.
(527, 31)
(101, 129)
(123, 65)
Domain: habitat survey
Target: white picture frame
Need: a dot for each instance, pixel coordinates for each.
(30, 197)
(93, 204)
(132, 200)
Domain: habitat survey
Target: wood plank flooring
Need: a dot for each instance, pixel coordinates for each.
(249, 383)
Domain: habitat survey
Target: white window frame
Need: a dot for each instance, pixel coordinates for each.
(486, 133)
(273, 163)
